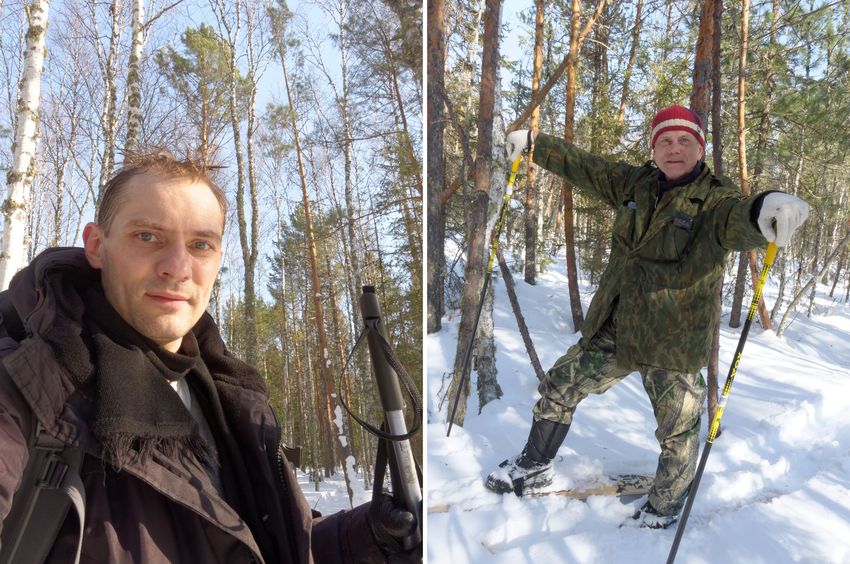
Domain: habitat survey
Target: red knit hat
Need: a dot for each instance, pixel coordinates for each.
(677, 118)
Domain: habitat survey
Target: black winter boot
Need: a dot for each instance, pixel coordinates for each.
(530, 469)
(649, 518)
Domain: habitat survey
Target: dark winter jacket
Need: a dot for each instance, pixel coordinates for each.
(164, 508)
(666, 256)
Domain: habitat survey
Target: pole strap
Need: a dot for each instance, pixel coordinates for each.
(404, 377)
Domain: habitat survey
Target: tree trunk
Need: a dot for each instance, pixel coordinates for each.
(484, 360)
(109, 118)
(342, 420)
(20, 175)
(286, 349)
(302, 401)
(717, 155)
(242, 220)
(838, 270)
(322, 359)
(58, 209)
(247, 235)
(780, 265)
(556, 75)
(134, 95)
(348, 184)
(738, 295)
(847, 291)
(412, 224)
(764, 316)
(531, 204)
(818, 238)
(627, 74)
(520, 320)
(600, 104)
(770, 87)
(701, 92)
(665, 51)
(478, 210)
(569, 125)
(253, 190)
(436, 163)
(405, 139)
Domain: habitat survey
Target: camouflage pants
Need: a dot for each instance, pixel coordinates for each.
(676, 399)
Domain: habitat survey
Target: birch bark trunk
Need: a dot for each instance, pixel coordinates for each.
(108, 118)
(134, 96)
(20, 176)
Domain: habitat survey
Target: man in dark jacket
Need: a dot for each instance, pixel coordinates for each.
(182, 451)
(675, 225)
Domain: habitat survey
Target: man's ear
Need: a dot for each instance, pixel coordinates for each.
(93, 244)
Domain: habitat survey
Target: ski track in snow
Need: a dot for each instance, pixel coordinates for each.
(776, 487)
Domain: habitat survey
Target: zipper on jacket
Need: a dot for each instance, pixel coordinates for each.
(280, 471)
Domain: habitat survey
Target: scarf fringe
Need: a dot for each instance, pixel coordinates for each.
(122, 449)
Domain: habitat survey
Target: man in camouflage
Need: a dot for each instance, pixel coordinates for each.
(675, 225)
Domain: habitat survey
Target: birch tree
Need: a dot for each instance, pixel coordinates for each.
(109, 119)
(20, 176)
(134, 95)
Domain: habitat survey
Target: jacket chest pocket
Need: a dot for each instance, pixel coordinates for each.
(678, 235)
(677, 227)
(624, 222)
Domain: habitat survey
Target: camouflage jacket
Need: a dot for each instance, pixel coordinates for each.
(666, 257)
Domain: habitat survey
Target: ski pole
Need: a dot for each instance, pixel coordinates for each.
(721, 404)
(405, 480)
(494, 246)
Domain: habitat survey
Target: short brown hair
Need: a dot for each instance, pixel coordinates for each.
(160, 162)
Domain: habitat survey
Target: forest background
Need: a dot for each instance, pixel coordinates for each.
(313, 108)
(769, 78)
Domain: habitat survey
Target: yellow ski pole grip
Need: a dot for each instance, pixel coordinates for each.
(770, 254)
(512, 178)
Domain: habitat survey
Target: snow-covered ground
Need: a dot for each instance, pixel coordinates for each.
(331, 496)
(777, 483)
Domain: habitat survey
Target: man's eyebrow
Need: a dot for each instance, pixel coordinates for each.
(148, 224)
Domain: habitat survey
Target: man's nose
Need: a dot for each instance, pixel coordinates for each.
(176, 262)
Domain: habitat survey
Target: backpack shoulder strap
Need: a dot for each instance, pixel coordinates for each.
(49, 487)
(10, 322)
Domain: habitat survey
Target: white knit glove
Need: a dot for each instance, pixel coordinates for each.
(780, 215)
(516, 142)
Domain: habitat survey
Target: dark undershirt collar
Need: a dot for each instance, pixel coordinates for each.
(664, 184)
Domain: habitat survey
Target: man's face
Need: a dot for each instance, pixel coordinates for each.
(161, 256)
(676, 153)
